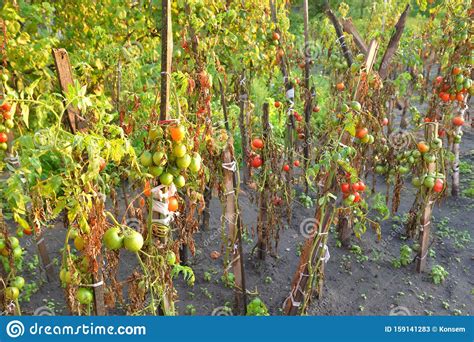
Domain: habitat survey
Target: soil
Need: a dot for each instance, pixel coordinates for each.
(355, 284)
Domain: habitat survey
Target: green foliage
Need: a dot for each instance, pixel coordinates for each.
(405, 257)
(257, 307)
(438, 274)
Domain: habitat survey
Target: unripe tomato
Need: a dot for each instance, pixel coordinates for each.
(84, 296)
(12, 293)
(133, 241)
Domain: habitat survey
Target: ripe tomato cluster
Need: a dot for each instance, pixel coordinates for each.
(351, 192)
(169, 159)
(6, 124)
(255, 159)
(454, 87)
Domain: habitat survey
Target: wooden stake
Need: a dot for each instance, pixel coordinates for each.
(308, 108)
(349, 27)
(431, 132)
(456, 151)
(64, 71)
(263, 200)
(340, 35)
(166, 58)
(393, 44)
(371, 54)
(232, 215)
(243, 97)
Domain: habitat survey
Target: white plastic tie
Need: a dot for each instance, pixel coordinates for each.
(290, 93)
(232, 166)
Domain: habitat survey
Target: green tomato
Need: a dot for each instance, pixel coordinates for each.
(170, 258)
(146, 159)
(14, 242)
(166, 178)
(184, 162)
(12, 293)
(380, 169)
(156, 171)
(436, 143)
(416, 182)
(2, 243)
(113, 239)
(133, 241)
(84, 296)
(179, 150)
(430, 158)
(356, 106)
(9, 124)
(179, 181)
(195, 165)
(159, 158)
(403, 169)
(429, 182)
(18, 282)
(155, 133)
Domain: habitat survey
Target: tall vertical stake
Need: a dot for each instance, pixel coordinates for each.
(166, 58)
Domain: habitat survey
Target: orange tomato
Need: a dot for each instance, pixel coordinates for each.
(423, 147)
(177, 133)
(173, 204)
(340, 86)
(147, 189)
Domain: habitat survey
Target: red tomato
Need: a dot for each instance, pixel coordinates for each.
(345, 188)
(277, 104)
(3, 138)
(316, 109)
(286, 167)
(296, 163)
(357, 197)
(385, 122)
(444, 97)
(362, 132)
(340, 86)
(5, 107)
(361, 186)
(439, 79)
(438, 186)
(256, 162)
(458, 121)
(456, 71)
(459, 97)
(257, 143)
